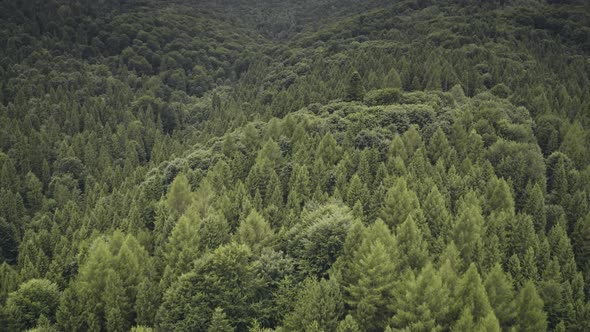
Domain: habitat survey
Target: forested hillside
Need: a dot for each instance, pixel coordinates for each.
(275, 165)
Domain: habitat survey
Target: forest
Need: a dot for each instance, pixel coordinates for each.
(309, 165)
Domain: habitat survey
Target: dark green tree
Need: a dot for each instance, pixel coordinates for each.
(355, 90)
(33, 299)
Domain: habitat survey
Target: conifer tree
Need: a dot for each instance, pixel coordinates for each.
(421, 303)
(529, 310)
(317, 301)
(255, 231)
(467, 231)
(219, 322)
(413, 249)
(328, 150)
(356, 191)
(183, 244)
(180, 196)
(355, 90)
(398, 204)
(581, 243)
(439, 147)
(439, 219)
(471, 296)
(500, 293)
(348, 325)
(370, 278)
(574, 145)
(534, 205)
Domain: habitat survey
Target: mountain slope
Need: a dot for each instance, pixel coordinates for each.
(294, 165)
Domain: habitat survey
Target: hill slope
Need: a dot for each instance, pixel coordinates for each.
(294, 165)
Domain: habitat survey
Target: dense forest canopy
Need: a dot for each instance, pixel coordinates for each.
(275, 165)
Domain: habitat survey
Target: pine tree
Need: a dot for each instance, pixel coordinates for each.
(439, 147)
(214, 230)
(219, 322)
(255, 231)
(421, 303)
(529, 310)
(413, 249)
(357, 191)
(500, 293)
(412, 140)
(116, 305)
(471, 295)
(396, 149)
(574, 145)
(534, 205)
(183, 245)
(180, 196)
(370, 277)
(581, 243)
(398, 204)
(317, 301)
(439, 219)
(328, 150)
(299, 188)
(393, 80)
(467, 231)
(348, 325)
(561, 248)
(355, 90)
(500, 198)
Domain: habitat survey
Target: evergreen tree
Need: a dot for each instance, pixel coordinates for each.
(371, 277)
(529, 310)
(183, 245)
(581, 243)
(356, 191)
(348, 325)
(179, 196)
(439, 219)
(219, 322)
(471, 296)
(501, 296)
(319, 302)
(574, 144)
(255, 231)
(534, 205)
(398, 204)
(467, 231)
(422, 302)
(413, 249)
(355, 90)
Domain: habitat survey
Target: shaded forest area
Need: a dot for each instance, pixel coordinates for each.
(273, 165)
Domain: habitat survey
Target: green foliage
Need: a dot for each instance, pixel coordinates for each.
(179, 197)
(227, 278)
(370, 277)
(219, 322)
(302, 165)
(34, 299)
(355, 90)
(529, 310)
(500, 293)
(348, 325)
(423, 302)
(255, 232)
(383, 97)
(319, 303)
(398, 204)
